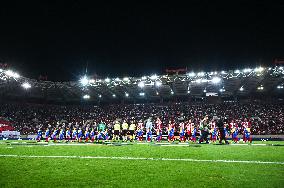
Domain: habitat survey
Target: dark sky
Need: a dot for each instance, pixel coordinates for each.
(61, 39)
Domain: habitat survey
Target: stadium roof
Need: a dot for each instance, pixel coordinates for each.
(265, 80)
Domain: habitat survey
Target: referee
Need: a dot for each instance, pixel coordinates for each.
(220, 125)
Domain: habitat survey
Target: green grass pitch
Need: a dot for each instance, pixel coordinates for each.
(147, 165)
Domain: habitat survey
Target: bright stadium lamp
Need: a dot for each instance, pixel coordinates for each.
(100, 96)
(237, 71)
(153, 77)
(141, 84)
(247, 70)
(216, 80)
(26, 85)
(107, 80)
(113, 95)
(126, 79)
(260, 88)
(191, 74)
(158, 83)
(200, 74)
(84, 81)
(258, 69)
(242, 88)
(86, 96)
(126, 95)
(10, 73)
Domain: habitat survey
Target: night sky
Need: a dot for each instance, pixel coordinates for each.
(63, 40)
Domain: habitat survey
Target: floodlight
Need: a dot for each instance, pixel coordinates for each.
(158, 83)
(126, 95)
(260, 87)
(84, 80)
(113, 95)
(100, 96)
(26, 85)
(153, 77)
(216, 80)
(191, 74)
(141, 84)
(86, 97)
(142, 94)
(200, 74)
(126, 79)
(241, 89)
(259, 69)
(247, 70)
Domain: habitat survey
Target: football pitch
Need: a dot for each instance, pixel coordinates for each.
(29, 164)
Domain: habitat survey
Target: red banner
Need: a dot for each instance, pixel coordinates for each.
(5, 125)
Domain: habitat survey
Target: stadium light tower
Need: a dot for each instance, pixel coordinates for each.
(26, 85)
(84, 81)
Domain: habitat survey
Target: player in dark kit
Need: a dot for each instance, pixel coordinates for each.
(204, 130)
(222, 131)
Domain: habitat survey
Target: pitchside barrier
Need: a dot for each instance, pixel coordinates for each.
(165, 137)
(10, 134)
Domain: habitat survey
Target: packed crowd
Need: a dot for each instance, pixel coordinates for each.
(28, 118)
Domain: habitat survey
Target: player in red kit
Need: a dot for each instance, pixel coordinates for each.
(189, 128)
(245, 125)
(181, 131)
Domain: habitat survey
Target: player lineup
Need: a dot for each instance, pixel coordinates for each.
(207, 130)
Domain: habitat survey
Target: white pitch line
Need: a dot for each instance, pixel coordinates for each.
(142, 158)
(182, 145)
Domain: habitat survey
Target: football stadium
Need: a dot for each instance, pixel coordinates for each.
(207, 132)
(136, 94)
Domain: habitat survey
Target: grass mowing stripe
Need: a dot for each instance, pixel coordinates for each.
(143, 158)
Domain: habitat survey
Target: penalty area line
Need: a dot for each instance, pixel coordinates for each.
(140, 158)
